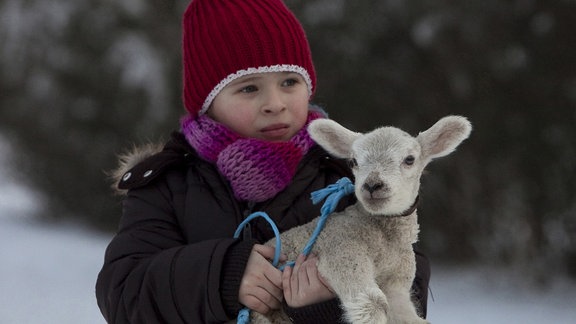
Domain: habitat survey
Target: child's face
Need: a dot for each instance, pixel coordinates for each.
(271, 106)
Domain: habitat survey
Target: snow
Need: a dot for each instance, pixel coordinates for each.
(483, 295)
(48, 273)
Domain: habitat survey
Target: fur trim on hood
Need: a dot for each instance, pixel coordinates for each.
(129, 159)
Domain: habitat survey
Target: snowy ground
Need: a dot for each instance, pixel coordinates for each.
(474, 296)
(47, 275)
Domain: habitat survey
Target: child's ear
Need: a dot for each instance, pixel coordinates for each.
(333, 137)
(443, 137)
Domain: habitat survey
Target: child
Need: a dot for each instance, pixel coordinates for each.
(243, 147)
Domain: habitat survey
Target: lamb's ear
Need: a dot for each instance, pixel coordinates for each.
(333, 137)
(443, 137)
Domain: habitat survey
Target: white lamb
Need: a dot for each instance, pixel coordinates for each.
(365, 252)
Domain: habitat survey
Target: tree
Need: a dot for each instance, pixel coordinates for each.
(81, 80)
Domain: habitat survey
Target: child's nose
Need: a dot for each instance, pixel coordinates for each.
(273, 102)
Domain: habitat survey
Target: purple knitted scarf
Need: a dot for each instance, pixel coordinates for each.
(257, 169)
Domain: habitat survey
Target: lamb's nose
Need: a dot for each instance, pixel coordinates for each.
(373, 187)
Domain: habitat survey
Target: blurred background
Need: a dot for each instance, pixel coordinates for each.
(81, 81)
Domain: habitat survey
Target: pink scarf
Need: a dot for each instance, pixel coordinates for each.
(257, 169)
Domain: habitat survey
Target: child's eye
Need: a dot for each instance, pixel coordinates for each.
(249, 89)
(289, 82)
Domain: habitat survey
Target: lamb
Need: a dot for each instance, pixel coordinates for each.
(365, 252)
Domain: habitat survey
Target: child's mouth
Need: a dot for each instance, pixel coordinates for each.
(276, 131)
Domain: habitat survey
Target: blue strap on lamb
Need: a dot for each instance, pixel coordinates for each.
(333, 193)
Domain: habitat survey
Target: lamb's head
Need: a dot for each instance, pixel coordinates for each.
(387, 162)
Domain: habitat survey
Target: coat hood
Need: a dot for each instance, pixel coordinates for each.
(129, 159)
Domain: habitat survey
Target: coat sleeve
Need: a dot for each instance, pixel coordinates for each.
(151, 275)
(421, 283)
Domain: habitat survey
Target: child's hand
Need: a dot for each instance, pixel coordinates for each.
(261, 285)
(303, 285)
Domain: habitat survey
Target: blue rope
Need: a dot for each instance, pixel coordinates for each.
(274, 228)
(333, 193)
(244, 314)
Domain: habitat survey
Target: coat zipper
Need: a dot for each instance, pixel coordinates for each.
(247, 231)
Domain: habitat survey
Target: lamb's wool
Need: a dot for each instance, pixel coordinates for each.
(257, 169)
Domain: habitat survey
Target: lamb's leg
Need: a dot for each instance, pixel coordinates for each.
(397, 288)
(363, 301)
(367, 306)
(401, 305)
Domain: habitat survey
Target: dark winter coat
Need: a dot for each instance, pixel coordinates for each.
(174, 260)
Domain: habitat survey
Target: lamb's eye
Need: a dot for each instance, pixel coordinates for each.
(352, 163)
(409, 160)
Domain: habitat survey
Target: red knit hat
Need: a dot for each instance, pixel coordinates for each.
(227, 39)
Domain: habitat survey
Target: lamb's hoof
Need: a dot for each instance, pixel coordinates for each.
(368, 307)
